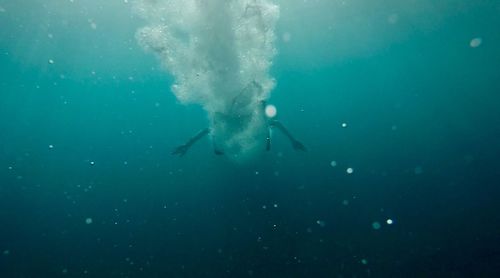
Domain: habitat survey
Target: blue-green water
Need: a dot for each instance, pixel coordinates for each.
(88, 187)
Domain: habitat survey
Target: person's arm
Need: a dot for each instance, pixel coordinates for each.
(298, 146)
(182, 149)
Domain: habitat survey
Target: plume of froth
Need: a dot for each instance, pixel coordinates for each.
(213, 49)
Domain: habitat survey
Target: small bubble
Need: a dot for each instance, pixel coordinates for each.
(51, 146)
(92, 163)
(389, 221)
(476, 42)
(271, 111)
(349, 170)
(376, 225)
(364, 261)
(418, 170)
(321, 223)
(275, 205)
(287, 37)
(333, 163)
(393, 18)
(51, 61)
(88, 221)
(344, 125)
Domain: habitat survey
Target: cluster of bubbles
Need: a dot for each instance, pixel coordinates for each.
(219, 53)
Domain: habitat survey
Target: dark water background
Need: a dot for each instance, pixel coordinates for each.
(89, 137)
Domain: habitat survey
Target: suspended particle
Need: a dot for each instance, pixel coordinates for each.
(271, 111)
(333, 163)
(321, 223)
(287, 37)
(349, 170)
(393, 18)
(475, 42)
(389, 221)
(376, 225)
(88, 221)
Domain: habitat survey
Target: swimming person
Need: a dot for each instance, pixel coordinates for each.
(235, 122)
(219, 53)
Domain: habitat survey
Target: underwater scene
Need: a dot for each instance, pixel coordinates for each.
(249, 138)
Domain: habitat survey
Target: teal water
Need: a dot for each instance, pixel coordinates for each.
(88, 187)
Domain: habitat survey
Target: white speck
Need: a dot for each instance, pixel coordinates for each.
(10, 168)
(271, 111)
(376, 225)
(333, 163)
(264, 206)
(275, 205)
(51, 146)
(475, 42)
(418, 170)
(345, 202)
(344, 125)
(287, 37)
(92, 163)
(389, 221)
(88, 221)
(321, 223)
(349, 170)
(393, 18)
(364, 261)
(6, 252)
(256, 173)
(93, 25)
(51, 61)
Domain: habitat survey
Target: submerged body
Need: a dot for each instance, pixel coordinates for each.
(219, 53)
(241, 131)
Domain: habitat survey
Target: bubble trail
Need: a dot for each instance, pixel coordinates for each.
(219, 53)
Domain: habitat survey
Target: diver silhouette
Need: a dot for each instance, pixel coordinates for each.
(233, 120)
